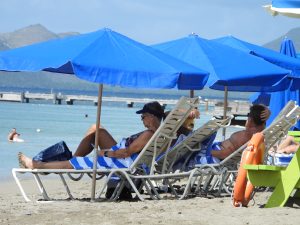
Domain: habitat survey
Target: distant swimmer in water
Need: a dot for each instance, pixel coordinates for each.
(14, 136)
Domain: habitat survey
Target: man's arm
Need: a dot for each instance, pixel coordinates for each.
(135, 147)
(222, 154)
(230, 145)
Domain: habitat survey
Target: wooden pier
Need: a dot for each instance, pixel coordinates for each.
(238, 109)
(26, 97)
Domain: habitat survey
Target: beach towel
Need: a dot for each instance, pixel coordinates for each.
(103, 162)
(180, 138)
(204, 155)
(194, 158)
(280, 159)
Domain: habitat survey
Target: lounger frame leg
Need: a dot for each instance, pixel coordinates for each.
(102, 190)
(187, 190)
(66, 186)
(151, 190)
(14, 173)
(126, 177)
(198, 182)
(41, 187)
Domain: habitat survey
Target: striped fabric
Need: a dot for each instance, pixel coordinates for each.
(205, 157)
(180, 138)
(280, 159)
(80, 163)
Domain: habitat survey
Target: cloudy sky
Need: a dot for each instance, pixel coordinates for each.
(150, 21)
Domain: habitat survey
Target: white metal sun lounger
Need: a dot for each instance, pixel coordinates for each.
(288, 117)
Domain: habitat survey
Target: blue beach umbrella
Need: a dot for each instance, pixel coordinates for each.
(290, 8)
(229, 67)
(269, 55)
(287, 48)
(279, 99)
(105, 57)
(260, 98)
(287, 61)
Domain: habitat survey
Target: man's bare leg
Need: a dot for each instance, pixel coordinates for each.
(105, 141)
(85, 147)
(27, 162)
(289, 149)
(289, 140)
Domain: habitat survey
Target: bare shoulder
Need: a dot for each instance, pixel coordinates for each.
(239, 137)
(238, 134)
(147, 134)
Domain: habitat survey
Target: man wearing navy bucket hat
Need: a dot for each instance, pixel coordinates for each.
(123, 153)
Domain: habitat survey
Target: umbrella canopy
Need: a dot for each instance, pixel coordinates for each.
(106, 57)
(289, 8)
(227, 66)
(287, 48)
(269, 55)
(279, 99)
(260, 98)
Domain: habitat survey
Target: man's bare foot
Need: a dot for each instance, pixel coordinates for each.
(24, 161)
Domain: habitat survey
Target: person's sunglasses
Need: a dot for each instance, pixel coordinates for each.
(142, 117)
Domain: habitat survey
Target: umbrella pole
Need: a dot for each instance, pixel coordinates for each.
(225, 109)
(192, 94)
(99, 103)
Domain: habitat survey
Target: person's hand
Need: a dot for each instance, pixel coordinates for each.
(265, 114)
(271, 152)
(194, 114)
(101, 152)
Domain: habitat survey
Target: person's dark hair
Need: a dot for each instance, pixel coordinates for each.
(255, 114)
(153, 108)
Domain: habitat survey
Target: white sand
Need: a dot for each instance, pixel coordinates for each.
(198, 210)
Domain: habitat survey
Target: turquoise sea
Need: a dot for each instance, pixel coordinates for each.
(42, 124)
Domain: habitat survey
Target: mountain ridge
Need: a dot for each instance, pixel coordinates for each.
(293, 34)
(38, 33)
(27, 35)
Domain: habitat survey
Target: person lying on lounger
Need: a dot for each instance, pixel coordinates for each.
(287, 146)
(256, 122)
(282, 154)
(123, 153)
(85, 147)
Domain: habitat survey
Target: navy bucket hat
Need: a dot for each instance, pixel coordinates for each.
(153, 108)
